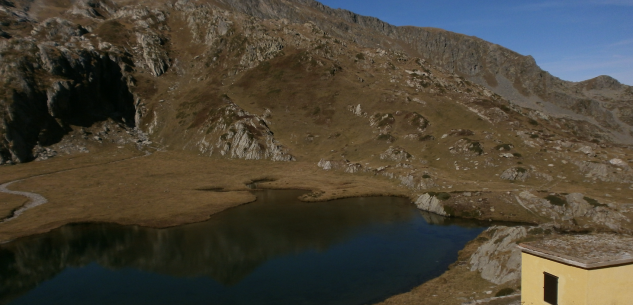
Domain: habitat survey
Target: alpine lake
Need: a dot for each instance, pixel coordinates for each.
(276, 250)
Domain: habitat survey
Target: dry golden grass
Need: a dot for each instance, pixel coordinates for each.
(10, 202)
(163, 189)
(454, 287)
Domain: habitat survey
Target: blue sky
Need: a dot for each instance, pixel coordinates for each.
(573, 40)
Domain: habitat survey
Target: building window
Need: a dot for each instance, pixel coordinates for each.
(550, 289)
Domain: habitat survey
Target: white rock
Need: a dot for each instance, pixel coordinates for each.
(429, 203)
(618, 162)
(515, 173)
(586, 150)
(499, 259)
(576, 206)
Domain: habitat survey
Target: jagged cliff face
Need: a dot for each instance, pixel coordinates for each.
(54, 79)
(279, 80)
(60, 75)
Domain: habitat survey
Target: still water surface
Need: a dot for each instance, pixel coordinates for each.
(277, 250)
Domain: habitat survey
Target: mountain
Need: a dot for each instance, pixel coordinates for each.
(298, 81)
(77, 63)
(602, 101)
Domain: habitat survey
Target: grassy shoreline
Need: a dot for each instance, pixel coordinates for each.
(160, 190)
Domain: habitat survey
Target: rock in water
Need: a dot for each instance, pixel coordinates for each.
(430, 203)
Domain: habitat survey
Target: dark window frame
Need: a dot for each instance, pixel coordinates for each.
(550, 288)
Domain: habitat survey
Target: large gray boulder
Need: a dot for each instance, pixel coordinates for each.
(515, 174)
(498, 259)
(429, 203)
(577, 206)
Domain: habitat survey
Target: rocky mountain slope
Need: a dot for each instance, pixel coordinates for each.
(74, 63)
(603, 101)
(296, 80)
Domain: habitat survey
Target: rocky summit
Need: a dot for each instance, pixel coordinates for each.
(463, 127)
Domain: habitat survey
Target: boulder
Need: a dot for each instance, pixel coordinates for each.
(515, 173)
(429, 203)
(587, 150)
(498, 259)
(618, 162)
(397, 154)
(577, 206)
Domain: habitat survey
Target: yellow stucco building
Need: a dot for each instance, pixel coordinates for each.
(592, 269)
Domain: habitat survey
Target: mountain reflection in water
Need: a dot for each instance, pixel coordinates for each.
(274, 251)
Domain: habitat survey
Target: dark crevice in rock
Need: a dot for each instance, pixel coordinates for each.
(90, 88)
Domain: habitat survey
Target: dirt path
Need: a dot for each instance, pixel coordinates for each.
(35, 200)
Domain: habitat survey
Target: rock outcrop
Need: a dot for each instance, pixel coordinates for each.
(235, 133)
(50, 87)
(427, 202)
(575, 210)
(515, 174)
(577, 206)
(467, 147)
(616, 171)
(498, 259)
(397, 154)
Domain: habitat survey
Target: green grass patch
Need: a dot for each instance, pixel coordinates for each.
(441, 196)
(449, 210)
(426, 138)
(539, 231)
(476, 147)
(556, 200)
(469, 214)
(594, 202)
(504, 292)
(482, 239)
(274, 91)
(386, 137)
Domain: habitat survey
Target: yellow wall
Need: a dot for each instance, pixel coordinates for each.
(611, 286)
(572, 281)
(576, 286)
